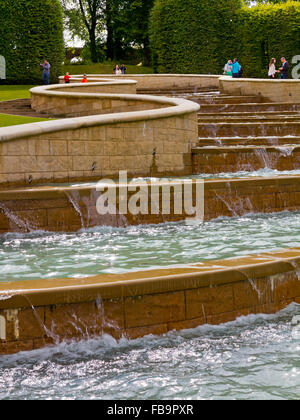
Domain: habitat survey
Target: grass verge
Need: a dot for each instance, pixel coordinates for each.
(10, 92)
(103, 68)
(8, 120)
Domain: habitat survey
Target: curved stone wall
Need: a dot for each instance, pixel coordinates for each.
(69, 209)
(160, 81)
(152, 136)
(75, 100)
(270, 90)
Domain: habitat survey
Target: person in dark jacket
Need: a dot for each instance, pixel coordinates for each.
(123, 69)
(284, 69)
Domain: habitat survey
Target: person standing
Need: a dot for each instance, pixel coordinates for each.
(46, 72)
(228, 68)
(117, 69)
(284, 69)
(236, 68)
(67, 78)
(272, 69)
(123, 69)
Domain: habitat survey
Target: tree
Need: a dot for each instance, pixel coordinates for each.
(31, 31)
(84, 18)
(136, 16)
(120, 24)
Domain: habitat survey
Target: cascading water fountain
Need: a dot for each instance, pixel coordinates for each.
(153, 275)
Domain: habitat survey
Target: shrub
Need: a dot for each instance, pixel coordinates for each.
(31, 31)
(192, 36)
(264, 32)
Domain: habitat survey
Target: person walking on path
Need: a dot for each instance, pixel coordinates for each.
(46, 72)
(284, 69)
(236, 68)
(272, 69)
(228, 68)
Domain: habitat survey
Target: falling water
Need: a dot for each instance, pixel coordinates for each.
(16, 220)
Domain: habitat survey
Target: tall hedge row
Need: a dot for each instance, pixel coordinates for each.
(199, 36)
(267, 31)
(31, 31)
(192, 36)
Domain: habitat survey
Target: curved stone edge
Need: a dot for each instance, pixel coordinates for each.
(277, 90)
(42, 312)
(175, 107)
(160, 81)
(34, 149)
(52, 208)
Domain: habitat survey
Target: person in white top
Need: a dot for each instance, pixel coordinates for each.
(272, 69)
(117, 69)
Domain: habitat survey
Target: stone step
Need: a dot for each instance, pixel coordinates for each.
(248, 141)
(176, 91)
(263, 118)
(224, 100)
(213, 160)
(260, 107)
(249, 129)
(249, 113)
(20, 107)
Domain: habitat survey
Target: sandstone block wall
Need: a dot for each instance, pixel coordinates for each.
(271, 90)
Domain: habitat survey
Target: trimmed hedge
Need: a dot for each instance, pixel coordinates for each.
(267, 31)
(31, 31)
(193, 36)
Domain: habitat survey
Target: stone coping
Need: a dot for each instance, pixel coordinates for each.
(25, 294)
(285, 90)
(247, 80)
(244, 149)
(155, 75)
(212, 183)
(174, 107)
(40, 90)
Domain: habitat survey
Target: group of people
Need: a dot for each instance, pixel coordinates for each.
(283, 70)
(119, 69)
(67, 78)
(233, 68)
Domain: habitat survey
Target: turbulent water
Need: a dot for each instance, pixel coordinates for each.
(115, 250)
(257, 357)
(264, 172)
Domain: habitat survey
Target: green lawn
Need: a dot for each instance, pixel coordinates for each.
(103, 68)
(8, 92)
(7, 120)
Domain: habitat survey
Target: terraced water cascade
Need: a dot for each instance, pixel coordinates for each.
(243, 133)
(71, 274)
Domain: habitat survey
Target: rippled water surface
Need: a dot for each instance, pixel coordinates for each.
(264, 172)
(115, 250)
(257, 357)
